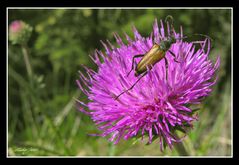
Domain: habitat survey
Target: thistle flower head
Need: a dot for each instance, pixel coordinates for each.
(156, 106)
(19, 32)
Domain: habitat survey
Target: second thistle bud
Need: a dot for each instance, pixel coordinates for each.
(19, 32)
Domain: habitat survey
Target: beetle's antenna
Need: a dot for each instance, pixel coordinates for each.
(204, 35)
(169, 17)
(180, 38)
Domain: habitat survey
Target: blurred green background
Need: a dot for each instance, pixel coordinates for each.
(42, 116)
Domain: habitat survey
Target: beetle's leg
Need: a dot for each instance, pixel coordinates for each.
(132, 85)
(133, 60)
(166, 66)
(173, 56)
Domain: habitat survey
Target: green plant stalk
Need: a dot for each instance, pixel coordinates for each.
(111, 149)
(36, 99)
(26, 59)
(25, 51)
(181, 149)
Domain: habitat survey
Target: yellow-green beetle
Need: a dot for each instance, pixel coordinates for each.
(153, 56)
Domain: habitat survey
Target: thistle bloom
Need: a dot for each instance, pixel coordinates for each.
(156, 106)
(19, 32)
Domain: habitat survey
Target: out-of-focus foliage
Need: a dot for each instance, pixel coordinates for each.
(42, 117)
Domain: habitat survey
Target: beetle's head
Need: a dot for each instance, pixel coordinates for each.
(166, 44)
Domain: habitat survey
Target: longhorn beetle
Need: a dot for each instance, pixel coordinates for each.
(153, 56)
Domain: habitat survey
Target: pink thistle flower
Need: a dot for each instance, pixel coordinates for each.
(16, 26)
(19, 32)
(155, 107)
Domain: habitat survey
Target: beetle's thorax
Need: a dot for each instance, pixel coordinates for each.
(166, 44)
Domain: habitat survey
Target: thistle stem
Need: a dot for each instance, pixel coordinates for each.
(27, 61)
(111, 149)
(181, 149)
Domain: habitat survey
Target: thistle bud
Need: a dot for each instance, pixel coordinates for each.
(19, 32)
